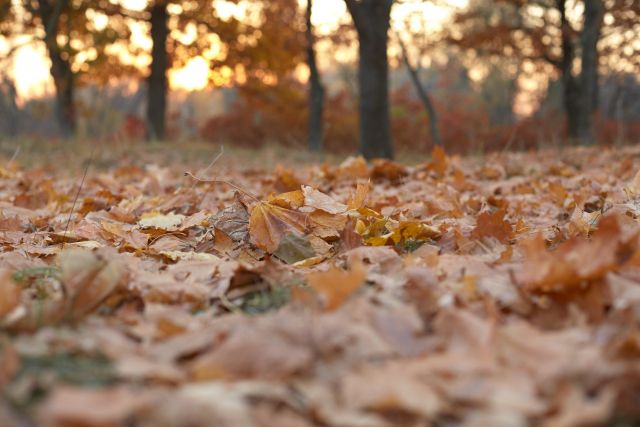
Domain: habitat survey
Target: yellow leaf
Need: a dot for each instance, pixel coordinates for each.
(291, 199)
(357, 201)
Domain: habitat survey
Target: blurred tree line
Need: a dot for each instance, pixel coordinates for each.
(408, 84)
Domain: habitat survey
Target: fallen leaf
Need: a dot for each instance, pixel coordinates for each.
(166, 222)
(9, 293)
(86, 407)
(269, 223)
(233, 220)
(89, 278)
(493, 224)
(336, 285)
(318, 200)
(294, 248)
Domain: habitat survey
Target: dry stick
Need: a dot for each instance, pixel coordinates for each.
(213, 162)
(511, 140)
(222, 181)
(15, 154)
(75, 199)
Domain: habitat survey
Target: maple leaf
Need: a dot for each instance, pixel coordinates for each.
(493, 224)
(336, 285)
(269, 223)
(286, 179)
(294, 248)
(353, 167)
(358, 199)
(386, 169)
(574, 261)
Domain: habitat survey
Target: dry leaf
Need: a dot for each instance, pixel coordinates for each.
(269, 223)
(89, 278)
(166, 222)
(336, 285)
(318, 200)
(493, 224)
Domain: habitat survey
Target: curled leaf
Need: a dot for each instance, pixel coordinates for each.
(89, 278)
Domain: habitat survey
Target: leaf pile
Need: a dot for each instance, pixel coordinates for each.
(501, 291)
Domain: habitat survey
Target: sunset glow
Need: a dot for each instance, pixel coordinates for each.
(30, 65)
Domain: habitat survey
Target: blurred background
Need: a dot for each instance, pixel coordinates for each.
(472, 75)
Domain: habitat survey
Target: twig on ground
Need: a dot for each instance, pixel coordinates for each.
(75, 199)
(222, 181)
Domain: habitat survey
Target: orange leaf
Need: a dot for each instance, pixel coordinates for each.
(493, 225)
(291, 199)
(9, 293)
(353, 167)
(574, 261)
(362, 191)
(439, 161)
(336, 285)
(270, 223)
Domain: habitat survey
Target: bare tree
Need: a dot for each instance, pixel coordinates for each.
(157, 84)
(422, 93)
(316, 90)
(63, 77)
(593, 15)
(372, 21)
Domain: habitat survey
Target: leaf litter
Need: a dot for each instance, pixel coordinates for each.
(500, 291)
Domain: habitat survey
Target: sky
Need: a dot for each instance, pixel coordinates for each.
(30, 66)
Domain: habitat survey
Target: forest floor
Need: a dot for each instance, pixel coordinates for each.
(163, 290)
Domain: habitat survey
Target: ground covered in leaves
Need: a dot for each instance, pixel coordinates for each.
(497, 291)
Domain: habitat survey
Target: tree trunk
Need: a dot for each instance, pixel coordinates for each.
(316, 90)
(570, 88)
(422, 94)
(63, 81)
(593, 13)
(157, 81)
(9, 109)
(371, 19)
(63, 78)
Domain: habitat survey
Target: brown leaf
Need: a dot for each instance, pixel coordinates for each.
(9, 293)
(269, 223)
(352, 168)
(493, 224)
(573, 261)
(233, 220)
(439, 161)
(90, 407)
(386, 169)
(336, 285)
(89, 278)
